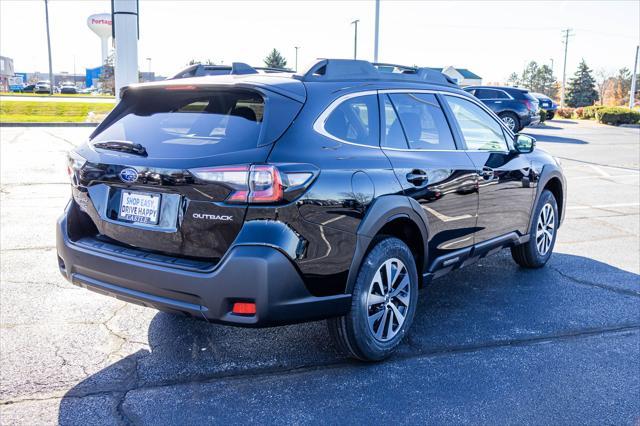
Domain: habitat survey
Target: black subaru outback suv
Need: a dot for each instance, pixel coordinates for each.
(265, 199)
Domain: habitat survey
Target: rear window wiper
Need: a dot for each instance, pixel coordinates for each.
(122, 146)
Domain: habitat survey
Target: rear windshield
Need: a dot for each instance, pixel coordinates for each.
(188, 124)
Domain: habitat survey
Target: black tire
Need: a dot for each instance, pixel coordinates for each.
(529, 255)
(506, 117)
(550, 115)
(352, 333)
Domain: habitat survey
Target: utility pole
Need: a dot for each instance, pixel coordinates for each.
(355, 39)
(633, 80)
(377, 32)
(567, 33)
(46, 14)
(296, 47)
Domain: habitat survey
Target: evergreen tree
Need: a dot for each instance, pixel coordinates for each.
(275, 60)
(581, 90)
(530, 74)
(545, 82)
(536, 78)
(514, 79)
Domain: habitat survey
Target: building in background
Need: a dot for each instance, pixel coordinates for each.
(6, 71)
(462, 76)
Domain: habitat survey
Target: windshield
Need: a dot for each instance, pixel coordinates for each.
(189, 124)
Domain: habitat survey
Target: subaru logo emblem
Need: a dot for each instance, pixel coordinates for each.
(128, 175)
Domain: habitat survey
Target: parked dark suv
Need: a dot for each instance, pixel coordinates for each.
(547, 104)
(259, 200)
(516, 107)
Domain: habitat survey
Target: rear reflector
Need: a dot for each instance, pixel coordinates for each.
(244, 308)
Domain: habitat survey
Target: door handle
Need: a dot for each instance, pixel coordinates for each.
(486, 173)
(417, 177)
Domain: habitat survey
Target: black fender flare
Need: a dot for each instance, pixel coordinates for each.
(550, 171)
(383, 210)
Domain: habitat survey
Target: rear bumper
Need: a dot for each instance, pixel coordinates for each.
(529, 120)
(248, 273)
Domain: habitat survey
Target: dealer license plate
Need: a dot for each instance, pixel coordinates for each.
(139, 207)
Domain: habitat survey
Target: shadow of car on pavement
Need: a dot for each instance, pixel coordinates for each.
(556, 139)
(490, 303)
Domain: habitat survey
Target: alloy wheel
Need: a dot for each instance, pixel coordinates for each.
(510, 122)
(388, 299)
(545, 229)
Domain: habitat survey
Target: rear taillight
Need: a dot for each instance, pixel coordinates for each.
(265, 185)
(253, 184)
(527, 103)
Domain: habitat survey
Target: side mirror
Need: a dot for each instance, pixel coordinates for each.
(524, 144)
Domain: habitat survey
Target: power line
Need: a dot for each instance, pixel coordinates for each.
(567, 33)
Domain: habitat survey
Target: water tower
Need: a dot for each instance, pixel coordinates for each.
(101, 25)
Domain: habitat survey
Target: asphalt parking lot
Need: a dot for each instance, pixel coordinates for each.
(491, 343)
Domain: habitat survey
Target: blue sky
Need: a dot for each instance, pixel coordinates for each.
(490, 38)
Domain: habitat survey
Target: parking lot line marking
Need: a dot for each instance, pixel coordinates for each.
(600, 171)
(629, 175)
(603, 206)
(635, 170)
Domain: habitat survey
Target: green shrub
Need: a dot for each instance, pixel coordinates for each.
(565, 112)
(589, 113)
(543, 115)
(618, 115)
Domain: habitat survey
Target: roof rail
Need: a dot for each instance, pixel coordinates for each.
(354, 69)
(272, 69)
(239, 68)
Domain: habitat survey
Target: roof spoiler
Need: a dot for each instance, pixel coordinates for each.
(350, 69)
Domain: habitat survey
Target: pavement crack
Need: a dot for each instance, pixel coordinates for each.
(68, 286)
(275, 371)
(121, 395)
(28, 248)
(623, 291)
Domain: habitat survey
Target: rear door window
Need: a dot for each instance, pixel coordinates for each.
(392, 133)
(188, 124)
(486, 94)
(480, 131)
(355, 120)
(422, 121)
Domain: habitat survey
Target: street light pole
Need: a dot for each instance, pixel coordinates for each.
(355, 39)
(296, 47)
(46, 14)
(377, 31)
(633, 80)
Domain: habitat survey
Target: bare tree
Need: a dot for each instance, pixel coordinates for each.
(604, 81)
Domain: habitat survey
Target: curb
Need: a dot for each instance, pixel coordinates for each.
(4, 124)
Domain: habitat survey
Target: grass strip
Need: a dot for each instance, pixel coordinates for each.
(50, 112)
